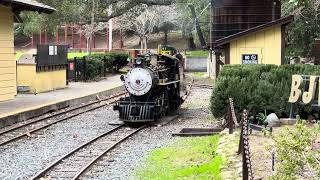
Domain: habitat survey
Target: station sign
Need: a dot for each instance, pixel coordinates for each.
(305, 88)
(249, 58)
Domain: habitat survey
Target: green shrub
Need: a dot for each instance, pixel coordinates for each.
(97, 65)
(118, 60)
(90, 69)
(258, 88)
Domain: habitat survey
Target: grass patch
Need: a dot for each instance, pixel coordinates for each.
(200, 74)
(70, 55)
(199, 53)
(80, 54)
(190, 158)
(18, 55)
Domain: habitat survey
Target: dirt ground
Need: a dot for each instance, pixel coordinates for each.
(261, 153)
(262, 146)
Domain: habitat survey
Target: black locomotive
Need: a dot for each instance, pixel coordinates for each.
(154, 86)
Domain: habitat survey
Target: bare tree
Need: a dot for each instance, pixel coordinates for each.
(144, 19)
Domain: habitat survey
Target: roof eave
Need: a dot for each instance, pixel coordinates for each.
(20, 6)
(283, 21)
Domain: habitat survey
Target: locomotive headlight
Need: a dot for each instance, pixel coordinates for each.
(139, 61)
(138, 81)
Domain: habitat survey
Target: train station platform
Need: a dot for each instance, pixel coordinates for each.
(26, 106)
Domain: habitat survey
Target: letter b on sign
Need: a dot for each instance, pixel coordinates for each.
(295, 88)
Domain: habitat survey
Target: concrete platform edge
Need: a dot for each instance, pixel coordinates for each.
(24, 114)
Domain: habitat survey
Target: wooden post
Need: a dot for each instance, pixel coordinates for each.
(217, 64)
(247, 172)
(240, 149)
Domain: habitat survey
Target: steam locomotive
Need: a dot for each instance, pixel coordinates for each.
(154, 85)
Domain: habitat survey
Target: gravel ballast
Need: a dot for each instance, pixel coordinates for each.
(24, 158)
(123, 161)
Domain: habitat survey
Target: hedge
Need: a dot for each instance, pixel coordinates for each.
(97, 65)
(258, 88)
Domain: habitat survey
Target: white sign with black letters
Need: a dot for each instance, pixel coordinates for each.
(53, 50)
(249, 58)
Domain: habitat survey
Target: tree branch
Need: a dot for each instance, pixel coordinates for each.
(131, 4)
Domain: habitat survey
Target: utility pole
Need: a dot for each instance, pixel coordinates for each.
(110, 29)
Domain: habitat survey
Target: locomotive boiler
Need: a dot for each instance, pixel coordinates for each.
(154, 88)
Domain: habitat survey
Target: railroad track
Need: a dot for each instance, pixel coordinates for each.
(83, 160)
(26, 129)
(206, 86)
(79, 161)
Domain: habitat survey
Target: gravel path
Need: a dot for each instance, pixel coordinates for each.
(26, 157)
(121, 163)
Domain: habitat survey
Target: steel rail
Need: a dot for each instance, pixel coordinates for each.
(87, 167)
(46, 169)
(63, 119)
(188, 90)
(203, 86)
(60, 113)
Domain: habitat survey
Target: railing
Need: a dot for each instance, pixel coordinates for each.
(244, 146)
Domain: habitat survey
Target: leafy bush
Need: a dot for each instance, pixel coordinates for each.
(118, 60)
(258, 88)
(294, 152)
(99, 64)
(90, 69)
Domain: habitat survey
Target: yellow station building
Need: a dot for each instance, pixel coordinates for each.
(9, 14)
(264, 44)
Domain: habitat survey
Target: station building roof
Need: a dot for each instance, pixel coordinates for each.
(282, 21)
(27, 5)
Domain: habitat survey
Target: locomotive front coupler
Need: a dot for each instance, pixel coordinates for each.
(116, 107)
